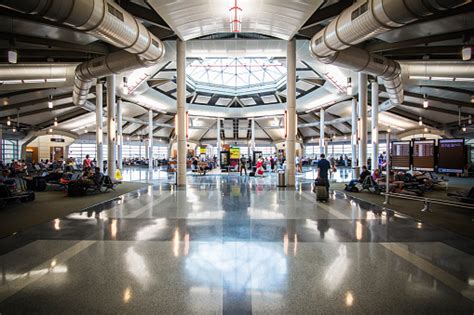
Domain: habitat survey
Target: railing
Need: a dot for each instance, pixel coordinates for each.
(428, 201)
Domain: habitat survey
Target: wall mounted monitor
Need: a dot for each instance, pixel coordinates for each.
(400, 155)
(451, 155)
(424, 155)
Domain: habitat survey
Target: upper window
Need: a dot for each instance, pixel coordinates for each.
(236, 73)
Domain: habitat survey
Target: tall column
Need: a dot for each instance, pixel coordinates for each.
(119, 134)
(181, 114)
(354, 132)
(375, 124)
(99, 123)
(218, 140)
(111, 127)
(291, 112)
(253, 138)
(150, 139)
(322, 145)
(363, 119)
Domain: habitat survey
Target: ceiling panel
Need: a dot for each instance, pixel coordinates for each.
(195, 18)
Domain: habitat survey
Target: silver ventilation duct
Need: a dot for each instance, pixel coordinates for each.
(364, 20)
(362, 61)
(439, 70)
(114, 63)
(54, 72)
(105, 20)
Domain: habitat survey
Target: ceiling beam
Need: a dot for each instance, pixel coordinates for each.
(413, 117)
(433, 98)
(382, 47)
(93, 48)
(145, 14)
(328, 12)
(61, 119)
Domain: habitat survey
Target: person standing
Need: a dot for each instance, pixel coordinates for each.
(323, 171)
(243, 165)
(87, 163)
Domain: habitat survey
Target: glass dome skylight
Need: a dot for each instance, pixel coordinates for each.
(236, 73)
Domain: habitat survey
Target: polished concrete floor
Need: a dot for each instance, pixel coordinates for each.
(235, 245)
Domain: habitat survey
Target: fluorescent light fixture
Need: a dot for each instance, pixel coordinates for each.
(464, 79)
(12, 82)
(466, 53)
(419, 77)
(12, 56)
(442, 78)
(52, 80)
(33, 81)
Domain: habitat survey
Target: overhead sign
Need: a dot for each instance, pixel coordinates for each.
(235, 153)
(57, 140)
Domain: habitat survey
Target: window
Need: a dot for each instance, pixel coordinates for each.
(9, 150)
(236, 72)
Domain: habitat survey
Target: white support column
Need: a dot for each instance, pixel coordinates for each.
(111, 126)
(181, 114)
(375, 124)
(218, 140)
(291, 112)
(99, 122)
(150, 139)
(363, 119)
(253, 138)
(354, 132)
(322, 143)
(119, 134)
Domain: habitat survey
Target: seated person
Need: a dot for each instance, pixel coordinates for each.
(5, 178)
(376, 176)
(363, 175)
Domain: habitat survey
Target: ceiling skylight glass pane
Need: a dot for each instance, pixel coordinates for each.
(236, 73)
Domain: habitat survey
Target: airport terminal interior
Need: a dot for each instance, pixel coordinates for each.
(236, 157)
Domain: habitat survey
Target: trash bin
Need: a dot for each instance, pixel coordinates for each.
(355, 172)
(281, 179)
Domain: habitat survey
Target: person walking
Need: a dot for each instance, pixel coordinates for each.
(243, 165)
(323, 171)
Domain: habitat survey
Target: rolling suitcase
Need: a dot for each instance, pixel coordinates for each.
(321, 190)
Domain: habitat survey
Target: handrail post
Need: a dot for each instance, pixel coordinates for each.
(387, 170)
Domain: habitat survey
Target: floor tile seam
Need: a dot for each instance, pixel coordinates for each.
(325, 207)
(18, 284)
(153, 202)
(434, 271)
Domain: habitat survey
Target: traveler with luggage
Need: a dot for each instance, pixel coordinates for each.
(321, 184)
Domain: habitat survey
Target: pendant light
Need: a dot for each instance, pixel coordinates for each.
(55, 121)
(50, 102)
(425, 101)
(420, 121)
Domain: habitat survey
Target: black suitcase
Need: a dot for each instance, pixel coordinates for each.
(320, 188)
(75, 189)
(39, 183)
(252, 174)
